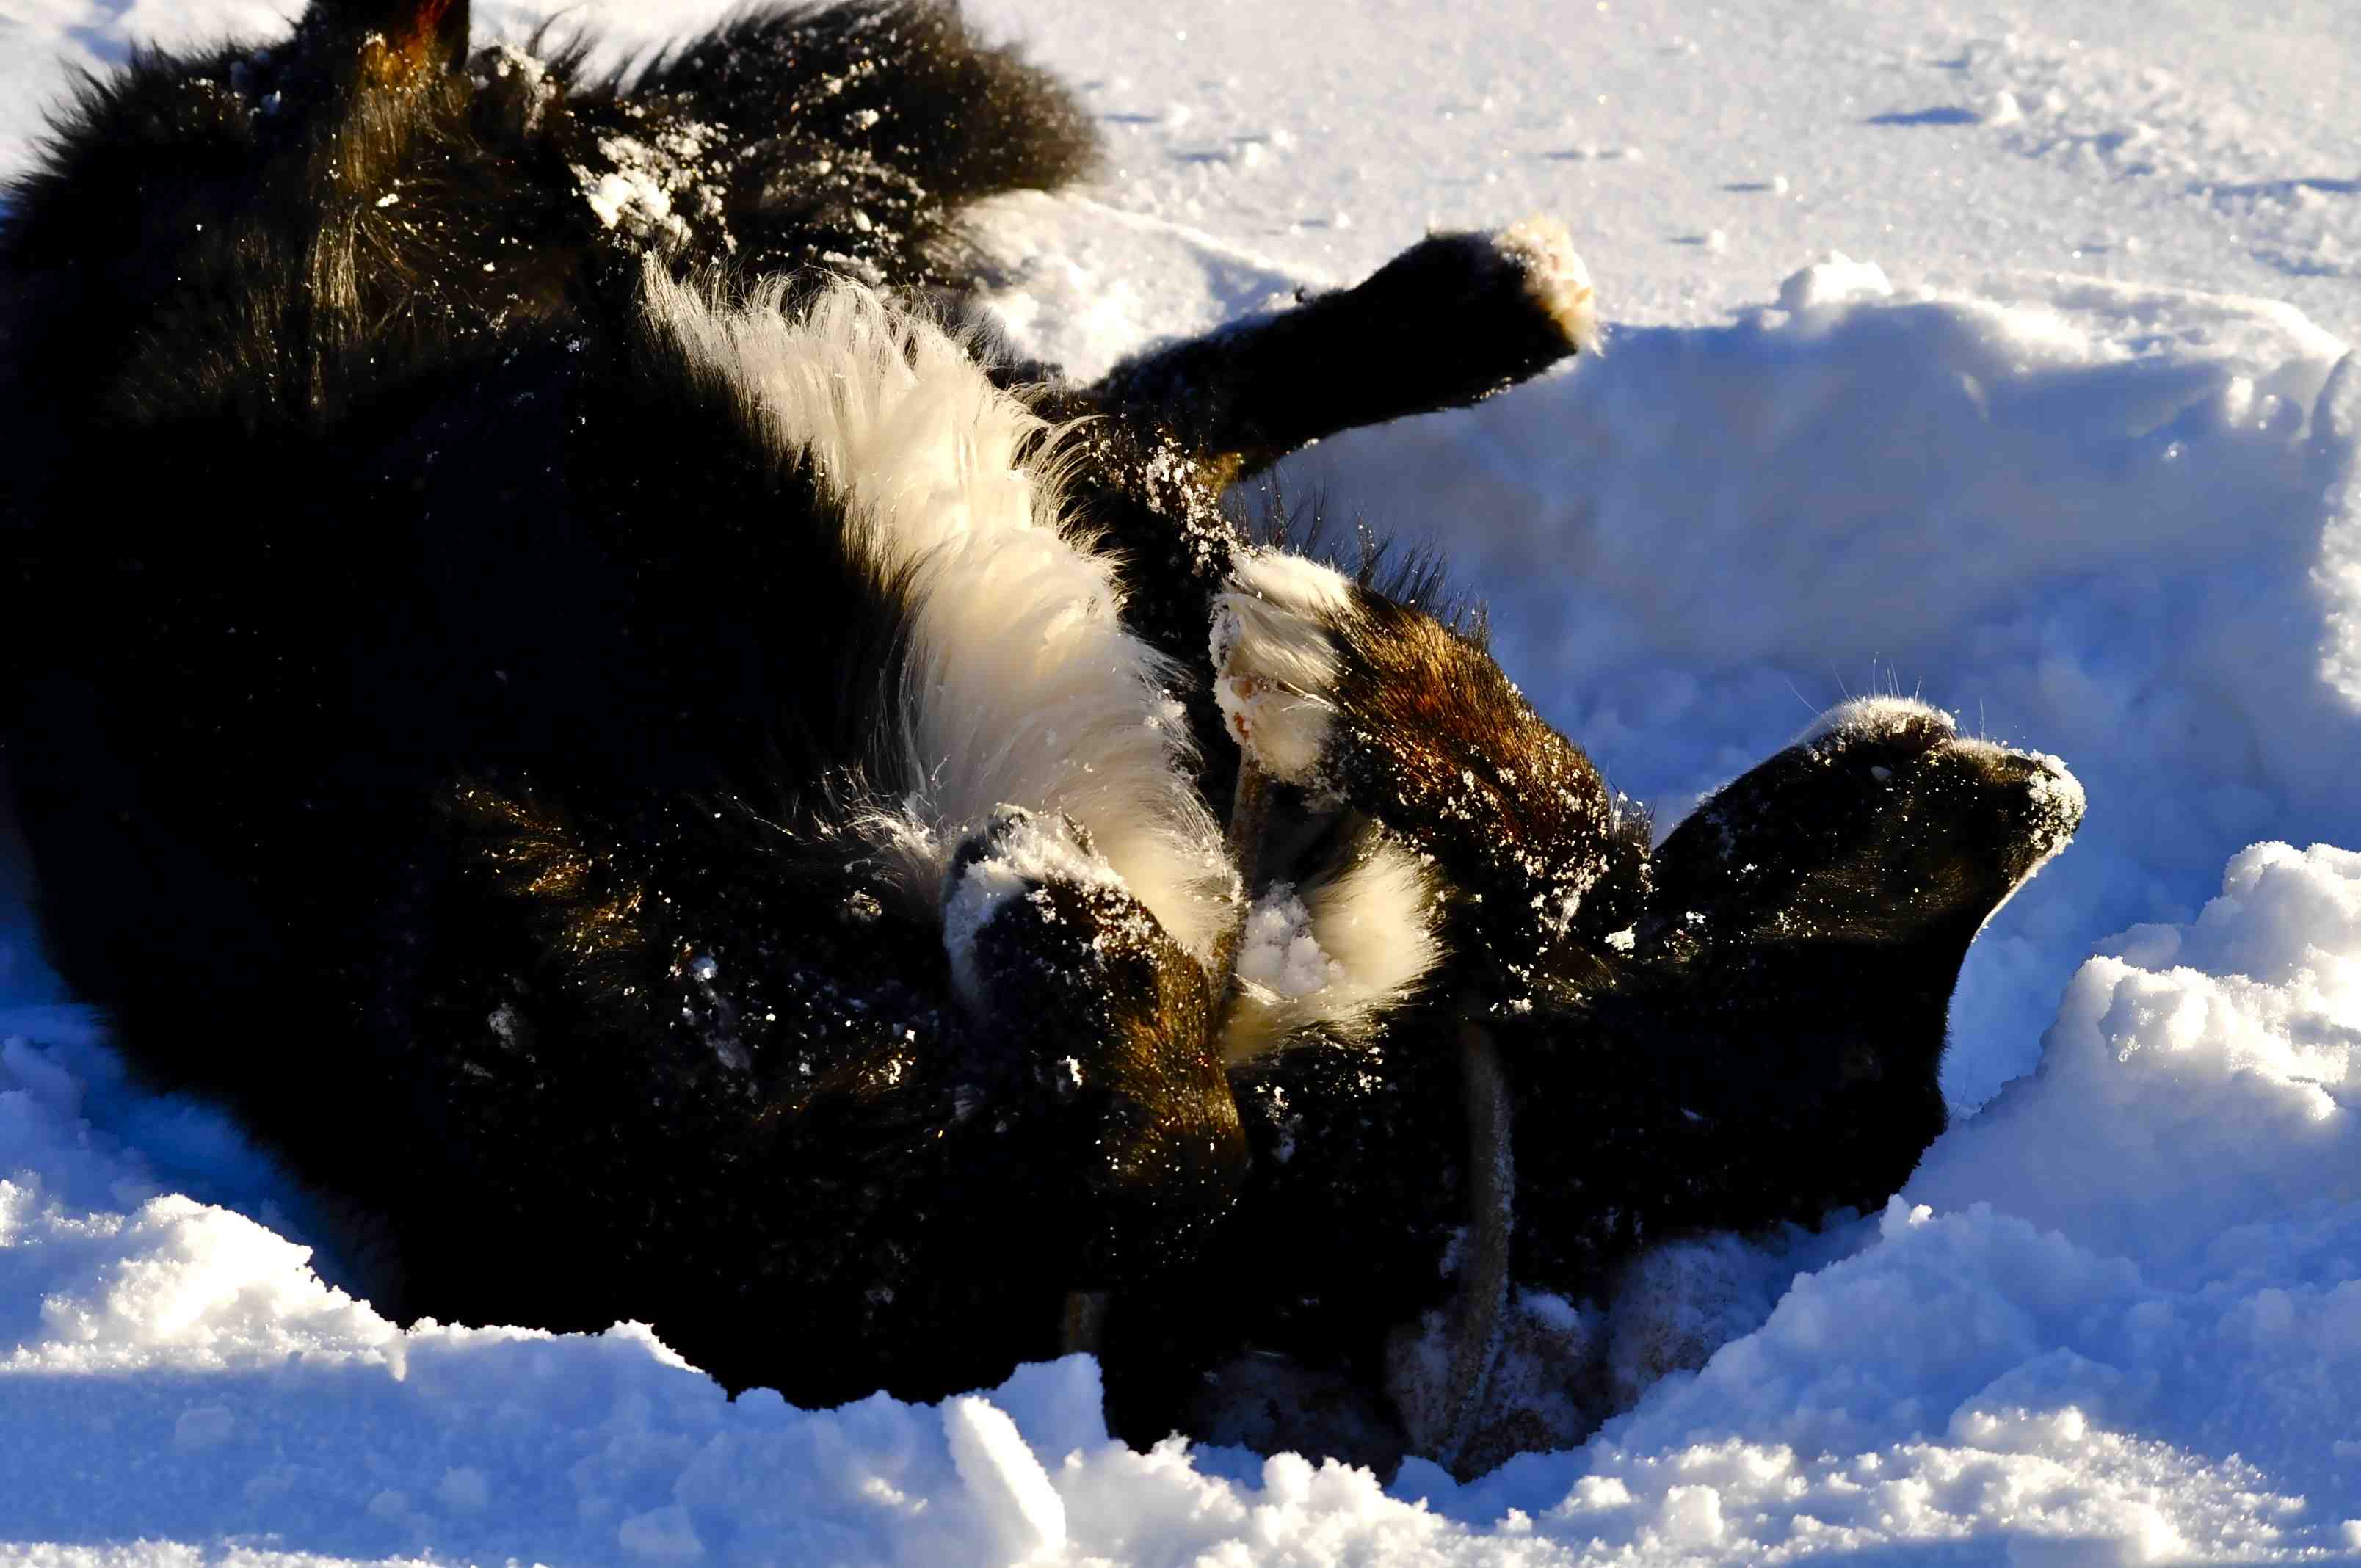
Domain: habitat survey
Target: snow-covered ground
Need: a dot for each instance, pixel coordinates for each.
(2071, 445)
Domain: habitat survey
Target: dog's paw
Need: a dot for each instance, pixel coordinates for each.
(1103, 1027)
(1552, 279)
(999, 884)
(1464, 314)
(1882, 826)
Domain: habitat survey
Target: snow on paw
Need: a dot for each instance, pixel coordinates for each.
(1050, 949)
(1555, 281)
(1012, 858)
(1075, 988)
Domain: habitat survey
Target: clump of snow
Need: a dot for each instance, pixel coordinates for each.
(2220, 1058)
(628, 197)
(175, 1283)
(648, 181)
(526, 73)
(1833, 281)
(1279, 950)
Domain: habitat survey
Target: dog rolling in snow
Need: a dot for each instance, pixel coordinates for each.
(666, 782)
(551, 686)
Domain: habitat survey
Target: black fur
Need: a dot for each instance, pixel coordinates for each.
(279, 234)
(1099, 1003)
(1449, 321)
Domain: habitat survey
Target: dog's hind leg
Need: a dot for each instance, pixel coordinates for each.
(1451, 321)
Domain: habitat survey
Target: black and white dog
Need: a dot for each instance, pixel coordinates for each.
(666, 781)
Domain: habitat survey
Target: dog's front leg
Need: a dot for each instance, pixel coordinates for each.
(1330, 686)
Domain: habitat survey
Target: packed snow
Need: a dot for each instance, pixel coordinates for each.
(1997, 357)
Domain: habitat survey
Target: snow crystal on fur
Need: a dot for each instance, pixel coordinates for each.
(1874, 715)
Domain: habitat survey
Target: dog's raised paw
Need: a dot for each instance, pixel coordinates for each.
(1556, 281)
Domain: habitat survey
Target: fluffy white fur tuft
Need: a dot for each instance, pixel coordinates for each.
(1275, 660)
(1370, 926)
(1023, 688)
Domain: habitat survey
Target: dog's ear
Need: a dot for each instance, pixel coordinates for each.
(419, 32)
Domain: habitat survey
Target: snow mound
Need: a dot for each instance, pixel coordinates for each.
(2218, 1061)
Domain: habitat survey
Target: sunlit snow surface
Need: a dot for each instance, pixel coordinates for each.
(2068, 444)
